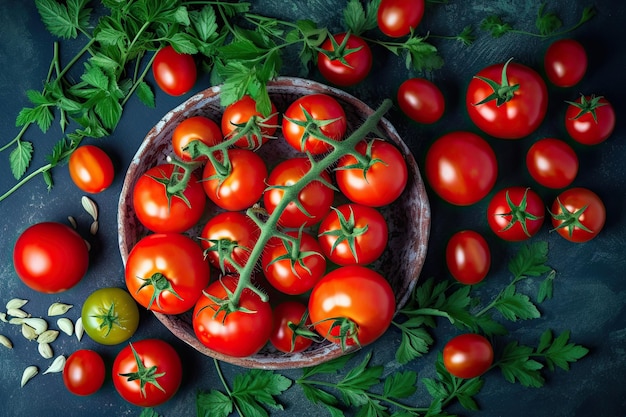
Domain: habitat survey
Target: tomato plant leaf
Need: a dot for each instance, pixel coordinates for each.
(559, 352)
(546, 288)
(547, 22)
(20, 158)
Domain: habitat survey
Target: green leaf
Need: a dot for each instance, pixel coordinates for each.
(57, 18)
(213, 404)
(547, 23)
(400, 384)
(415, 342)
(516, 365)
(109, 110)
(20, 158)
(357, 20)
(546, 288)
(530, 260)
(204, 22)
(145, 94)
(41, 115)
(514, 306)
(183, 43)
(496, 26)
(257, 388)
(561, 353)
(327, 367)
(318, 396)
(149, 412)
(421, 55)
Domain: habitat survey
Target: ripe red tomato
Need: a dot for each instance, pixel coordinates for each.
(352, 305)
(421, 100)
(235, 333)
(290, 320)
(515, 213)
(379, 183)
(578, 214)
(239, 113)
(461, 167)
(162, 209)
(397, 18)
(344, 62)
(468, 257)
(166, 272)
(353, 234)
(84, 372)
(512, 112)
(147, 373)
(195, 128)
(552, 163)
(243, 183)
(468, 355)
(315, 197)
(91, 169)
(50, 257)
(590, 120)
(318, 110)
(565, 62)
(174, 73)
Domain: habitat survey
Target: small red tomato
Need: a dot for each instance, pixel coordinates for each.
(396, 18)
(421, 100)
(552, 163)
(290, 320)
(468, 257)
(590, 120)
(84, 372)
(242, 112)
(195, 128)
(515, 213)
(91, 169)
(565, 62)
(344, 62)
(468, 355)
(173, 72)
(578, 214)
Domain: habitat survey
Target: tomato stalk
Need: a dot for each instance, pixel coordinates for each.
(502, 92)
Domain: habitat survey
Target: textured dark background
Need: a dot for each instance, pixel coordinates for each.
(590, 284)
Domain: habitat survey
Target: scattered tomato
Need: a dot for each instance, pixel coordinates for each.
(344, 59)
(397, 18)
(84, 372)
(174, 73)
(468, 257)
(578, 214)
(468, 355)
(110, 316)
(590, 120)
(565, 62)
(421, 100)
(515, 213)
(91, 169)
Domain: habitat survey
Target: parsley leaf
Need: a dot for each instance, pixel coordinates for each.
(20, 158)
(357, 19)
(64, 21)
(149, 412)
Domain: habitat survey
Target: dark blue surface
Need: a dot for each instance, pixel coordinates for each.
(590, 285)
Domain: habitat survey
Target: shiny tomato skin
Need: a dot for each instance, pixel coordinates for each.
(515, 227)
(516, 118)
(110, 315)
(383, 182)
(152, 353)
(582, 127)
(357, 293)
(240, 333)
(173, 257)
(195, 128)
(421, 100)
(461, 167)
(468, 257)
(50, 257)
(84, 372)
(589, 210)
(91, 169)
(565, 62)
(173, 72)
(321, 108)
(468, 355)
(552, 163)
(396, 18)
(239, 113)
(282, 335)
(358, 58)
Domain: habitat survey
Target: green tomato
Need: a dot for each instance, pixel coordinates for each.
(110, 316)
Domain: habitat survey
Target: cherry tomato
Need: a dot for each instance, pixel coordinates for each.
(110, 315)
(468, 257)
(173, 72)
(50, 257)
(461, 167)
(290, 320)
(84, 372)
(243, 111)
(195, 128)
(590, 120)
(147, 373)
(166, 272)
(397, 18)
(515, 213)
(320, 114)
(468, 355)
(552, 163)
(421, 100)
(511, 108)
(344, 59)
(565, 62)
(91, 169)
(578, 214)
(380, 182)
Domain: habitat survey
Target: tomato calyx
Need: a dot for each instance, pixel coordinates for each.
(570, 220)
(312, 127)
(587, 106)
(176, 184)
(144, 374)
(363, 162)
(228, 304)
(159, 284)
(225, 249)
(108, 320)
(503, 92)
(347, 232)
(518, 214)
(344, 330)
(294, 253)
(301, 329)
(340, 50)
(253, 131)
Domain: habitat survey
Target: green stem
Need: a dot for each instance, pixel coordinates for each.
(25, 179)
(225, 384)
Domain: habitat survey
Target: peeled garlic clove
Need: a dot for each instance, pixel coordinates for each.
(90, 207)
(66, 326)
(48, 336)
(45, 350)
(58, 309)
(28, 374)
(15, 303)
(56, 366)
(3, 317)
(4, 341)
(17, 312)
(79, 329)
(28, 332)
(39, 324)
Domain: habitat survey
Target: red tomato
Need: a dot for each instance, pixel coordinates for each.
(229, 237)
(290, 321)
(344, 62)
(84, 372)
(174, 73)
(163, 209)
(552, 163)
(50, 257)
(378, 183)
(353, 234)
(293, 266)
(147, 373)
(421, 100)
(590, 120)
(507, 101)
(578, 214)
(91, 169)
(515, 213)
(565, 62)
(236, 333)
(468, 355)
(243, 111)
(194, 128)
(397, 18)
(468, 257)
(461, 168)
(315, 197)
(243, 183)
(314, 115)
(166, 272)
(352, 305)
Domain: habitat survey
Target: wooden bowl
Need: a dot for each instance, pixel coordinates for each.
(408, 217)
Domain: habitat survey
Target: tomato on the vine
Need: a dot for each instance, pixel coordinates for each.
(565, 62)
(468, 355)
(397, 18)
(590, 120)
(174, 73)
(578, 214)
(243, 111)
(110, 315)
(291, 321)
(515, 213)
(468, 257)
(421, 100)
(344, 59)
(552, 163)
(84, 372)
(91, 169)
(194, 128)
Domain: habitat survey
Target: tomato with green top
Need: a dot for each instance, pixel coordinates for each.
(344, 59)
(590, 120)
(243, 117)
(515, 213)
(291, 333)
(578, 214)
(194, 128)
(110, 315)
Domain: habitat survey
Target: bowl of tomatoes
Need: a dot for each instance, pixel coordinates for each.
(395, 259)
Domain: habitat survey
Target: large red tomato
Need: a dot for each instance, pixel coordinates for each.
(344, 59)
(173, 72)
(397, 18)
(515, 213)
(290, 321)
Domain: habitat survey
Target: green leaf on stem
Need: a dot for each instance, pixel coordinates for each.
(20, 158)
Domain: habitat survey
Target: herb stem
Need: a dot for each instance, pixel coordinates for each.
(25, 179)
(220, 374)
